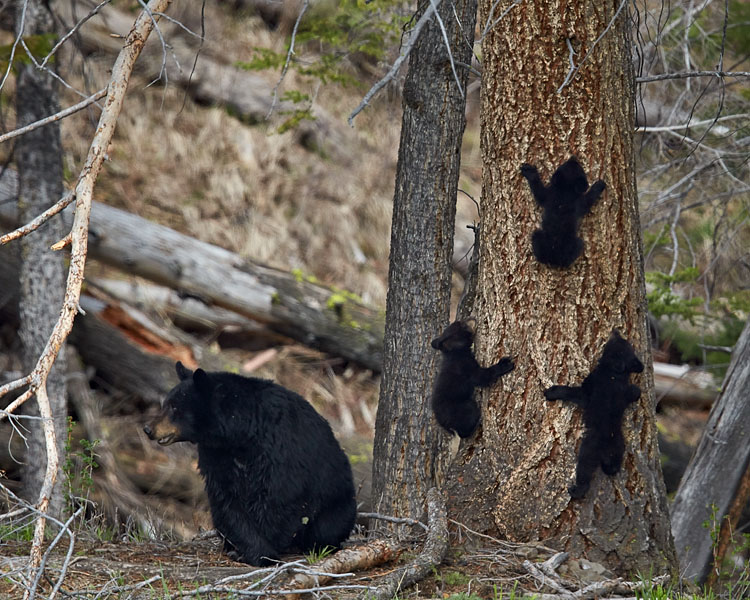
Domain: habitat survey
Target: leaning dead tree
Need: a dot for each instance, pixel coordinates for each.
(714, 475)
(36, 381)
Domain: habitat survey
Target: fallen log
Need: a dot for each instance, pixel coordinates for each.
(357, 558)
(678, 385)
(128, 350)
(293, 305)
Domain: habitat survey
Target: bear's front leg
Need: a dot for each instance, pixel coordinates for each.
(248, 546)
(488, 376)
(531, 174)
(563, 392)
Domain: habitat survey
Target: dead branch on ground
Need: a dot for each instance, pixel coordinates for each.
(358, 558)
(545, 575)
(431, 556)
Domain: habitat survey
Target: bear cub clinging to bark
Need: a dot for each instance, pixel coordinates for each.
(604, 395)
(277, 480)
(453, 396)
(565, 201)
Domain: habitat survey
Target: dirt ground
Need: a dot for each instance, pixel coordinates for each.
(200, 569)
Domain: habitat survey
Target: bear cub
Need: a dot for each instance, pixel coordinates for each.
(565, 201)
(604, 395)
(276, 478)
(453, 396)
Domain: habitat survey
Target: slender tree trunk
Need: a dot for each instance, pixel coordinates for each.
(512, 479)
(713, 476)
(38, 157)
(409, 450)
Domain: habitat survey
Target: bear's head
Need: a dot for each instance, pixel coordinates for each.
(570, 178)
(619, 356)
(459, 335)
(184, 408)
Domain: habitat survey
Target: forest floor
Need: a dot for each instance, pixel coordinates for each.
(479, 568)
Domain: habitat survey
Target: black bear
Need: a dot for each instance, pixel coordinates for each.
(604, 395)
(453, 396)
(565, 201)
(276, 478)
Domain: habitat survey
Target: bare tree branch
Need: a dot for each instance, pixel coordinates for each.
(116, 89)
(572, 72)
(405, 51)
(690, 74)
(94, 11)
(289, 55)
(56, 117)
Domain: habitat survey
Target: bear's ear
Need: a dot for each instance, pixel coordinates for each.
(182, 371)
(203, 383)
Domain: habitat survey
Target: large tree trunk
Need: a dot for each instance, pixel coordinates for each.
(713, 475)
(512, 479)
(409, 446)
(39, 160)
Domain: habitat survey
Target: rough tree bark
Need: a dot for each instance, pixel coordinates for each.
(38, 157)
(511, 480)
(407, 455)
(713, 475)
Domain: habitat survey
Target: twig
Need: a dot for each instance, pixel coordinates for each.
(72, 32)
(549, 566)
(19, 37)
(52, 118)
(490, 23)
(601, 589)
(10, 386)
(688, 74)
(28, 228)
(572, 73)
(727, 349)
(447, 46)
(391, 74)
(675, 242)
(289, 55)
(65, 528)
(404, 520)
(545, 579)
(685, 126)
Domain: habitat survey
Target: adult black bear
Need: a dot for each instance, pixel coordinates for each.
(453, 396)
(604, 395)
(277, 480)
(565, 201)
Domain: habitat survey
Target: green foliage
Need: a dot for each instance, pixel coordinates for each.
(316, 555)
(17, 532)
(263, 58)
(78, 468)
(662, 301)
(337, 34)
(724, 332)
(294, 118)
(455, 578)
(738, 31)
